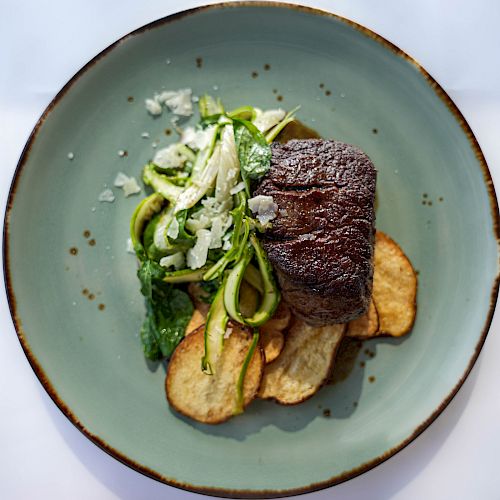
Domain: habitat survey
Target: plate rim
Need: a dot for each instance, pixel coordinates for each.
(228, 492)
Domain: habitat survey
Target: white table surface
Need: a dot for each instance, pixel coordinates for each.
(42, 44)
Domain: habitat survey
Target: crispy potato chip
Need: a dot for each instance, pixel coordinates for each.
(197, 319)
(272, 343)
(365, 326)
(280, 319)
(304, 364)
(211, 399)
(394, 287)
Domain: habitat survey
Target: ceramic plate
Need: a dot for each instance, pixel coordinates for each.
(72, 285)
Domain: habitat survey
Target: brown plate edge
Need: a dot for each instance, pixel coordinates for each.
(222, 492)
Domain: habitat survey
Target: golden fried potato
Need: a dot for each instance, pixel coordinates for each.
(197, 319)
(304, 364)
(280, 319)
(365, 326)
(272, 343)
(394, 287)
(211, 399)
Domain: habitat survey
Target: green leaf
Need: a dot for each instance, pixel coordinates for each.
(168, 311)
(254, 152)
(148, 273)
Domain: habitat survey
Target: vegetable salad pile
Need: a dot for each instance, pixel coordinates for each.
(200, 224)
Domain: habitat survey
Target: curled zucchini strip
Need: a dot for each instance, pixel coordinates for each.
(238, 407)
(142, 214)
(185, 275)
(270, 295)
(215, 330)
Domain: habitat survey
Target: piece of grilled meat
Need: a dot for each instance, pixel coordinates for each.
(321, 242)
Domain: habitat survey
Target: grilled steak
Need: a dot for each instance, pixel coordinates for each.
(321, 242)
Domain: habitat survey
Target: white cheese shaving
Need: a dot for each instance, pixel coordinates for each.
(130, 246)
(121, 153)
(239, 187)
(153, 107)
(264, 207)
(197, 256)
(169, 157)
(131, 187)
(216, 232)
(307, 236)
(176, 261)
(71, 156)
(128, 184)
(197, 139)
(120, 180)
(178, 101)
(265, 120)
(283, 212)
(145, 135)
(106, 196)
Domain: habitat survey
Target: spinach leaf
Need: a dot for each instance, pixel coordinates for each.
(254, 152)
(168, 311)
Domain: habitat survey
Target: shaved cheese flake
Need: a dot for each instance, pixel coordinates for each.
(106, 196)
(239, 187)
(131, 187)
(197, 139)
(176, 260)
(121, 179)
(153, 107)
(197, 256)
(169, 157)
(179, 102)
(173, 229)
(264, 207)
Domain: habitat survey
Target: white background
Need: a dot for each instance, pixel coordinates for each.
(42, 44)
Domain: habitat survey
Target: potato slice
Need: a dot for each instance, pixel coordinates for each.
(272, 342)
(280, 319)
(394, 287)
(211, 399)
(197, 319)
(304, 365)
(365, 326)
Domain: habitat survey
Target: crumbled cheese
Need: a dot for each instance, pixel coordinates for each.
(120, 180)
(227, 245)
(239, 187)
(107, 196)
(153, 107)
(307, 236)
(173, 229)
(283, 212)
(264, 207)
(154, 144)
(265, 120)
(145, 135)
(216, 232)
(121, 153)
(197, 139)
(178, 101)
(197, 256)
(128, 184)
(169, 157)
(70, 155)
(130, 246)
(176, 261)
(131, 187)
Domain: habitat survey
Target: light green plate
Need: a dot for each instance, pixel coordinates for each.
(353, 86)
